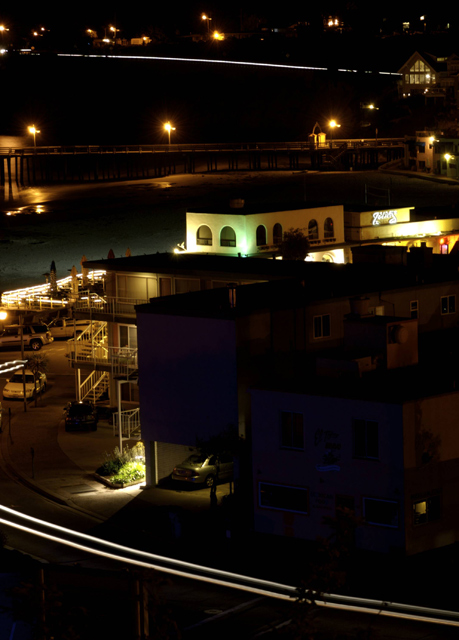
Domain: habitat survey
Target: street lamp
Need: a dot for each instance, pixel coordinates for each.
(448, 157)
(168, 127)
(332, 124)
(207, 19)
(33, 130)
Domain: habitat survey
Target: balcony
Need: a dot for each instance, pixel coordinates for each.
(110, 306)
(120, 361)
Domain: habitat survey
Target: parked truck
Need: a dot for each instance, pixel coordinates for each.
(67, 327)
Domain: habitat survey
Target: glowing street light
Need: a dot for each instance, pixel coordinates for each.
(168, 127)
(218, 36)
(332, 125)
(33, 130)
(207, 19)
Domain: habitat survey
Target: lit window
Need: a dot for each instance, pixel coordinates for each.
(278, 235)
(261, 235)
(282, 497)
(448, 305)
(227, 237)
(384, 513)
(321, 326)
(313, 230)
(366, 440)
(427, 510)
(329, 231)
(292, 436)
(204, 235)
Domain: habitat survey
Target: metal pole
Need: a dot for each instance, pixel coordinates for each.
(21, 329)
(118, 384)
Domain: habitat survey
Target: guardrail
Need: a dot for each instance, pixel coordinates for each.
(109, 305)
(350, 143)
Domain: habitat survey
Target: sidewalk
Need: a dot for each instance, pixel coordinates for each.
(39, 453)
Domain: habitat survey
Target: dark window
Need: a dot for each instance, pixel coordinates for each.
(414, 308)
(313, 230)
(427, 510)
(204, 235)
(292, 436)
(329, 231)
(322, 326)
(366, 441)
(384, 513)
(448, 305)
(227, 237)
(282, 497)
(261, 235)
(278, 235)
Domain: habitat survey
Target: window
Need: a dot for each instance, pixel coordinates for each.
(384, 513)
(261, 235)
(183, 285)
(427, 510)
(448, 305)
(278, 235)
(329, 231)
(322, 326)
(227, 237)
(292, 436)
(204, 236)
(313, 230)
(282, 497)
(414, 309)
(365, 439)
(127, 336)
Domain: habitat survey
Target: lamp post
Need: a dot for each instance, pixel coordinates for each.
(207, 19)
(168, 127)
(33, 130)
(332, 124)
(449, 157)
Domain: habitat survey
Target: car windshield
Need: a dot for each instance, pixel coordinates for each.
(196, 459)
(18, 378)
(80, 409)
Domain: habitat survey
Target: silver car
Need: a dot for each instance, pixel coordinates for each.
(204, 470)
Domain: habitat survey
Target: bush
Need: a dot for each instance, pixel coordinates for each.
(130, 464)
(130, 472)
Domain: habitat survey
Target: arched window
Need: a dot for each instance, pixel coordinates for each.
(227, 237)
(277, 234)
(313, 230)
(261, 235)
(204, 235)
(329, 231)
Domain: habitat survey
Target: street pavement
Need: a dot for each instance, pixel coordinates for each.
(36, 450)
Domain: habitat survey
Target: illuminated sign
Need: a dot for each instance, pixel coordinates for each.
(384, 217)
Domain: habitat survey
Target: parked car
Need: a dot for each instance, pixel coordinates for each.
(80, 416)
(35, 336)
(205, 470)
(67, 327)
(14, 388)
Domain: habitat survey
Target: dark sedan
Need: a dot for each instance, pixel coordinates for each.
(80, 416)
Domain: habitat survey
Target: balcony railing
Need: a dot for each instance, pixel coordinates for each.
(122, 361)
(130, 423)
(107, 305)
